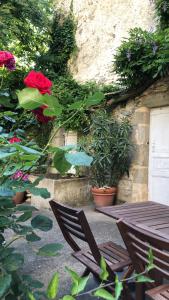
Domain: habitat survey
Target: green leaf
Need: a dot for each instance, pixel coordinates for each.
(5, 282)
(79, 159)
(150, 260)
(6, 202)
(142, 278)
(82, 283)
(79, 283)
(32, 237)
(50, 249)
(31, 296)
(5, 101)
(68, 297)
(27, 149)
(26, 216)
(118, 288)
(52, 288)
(6, 154)
(104, 274)
(102, 293)
(73, 274)
(42, 223)
(33, 283)
(4, 221)
(42, 192)
(76, 105)
(24, 207)
(28, 157)
(54, 107)
(94, 99)
(60, 162)
(13, 262)
(6, 192)
(30, 98)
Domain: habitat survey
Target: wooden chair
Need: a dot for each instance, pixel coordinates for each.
(138, 243)
(159, 293)
(73, 223)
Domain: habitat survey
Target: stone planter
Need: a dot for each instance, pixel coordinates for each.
(72, 191)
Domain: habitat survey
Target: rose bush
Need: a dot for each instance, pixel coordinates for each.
(7, 60)
(19, 157)
(39, 81)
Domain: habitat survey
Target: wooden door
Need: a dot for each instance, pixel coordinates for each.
(159, 156)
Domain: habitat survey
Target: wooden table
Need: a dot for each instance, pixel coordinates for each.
(150, 216)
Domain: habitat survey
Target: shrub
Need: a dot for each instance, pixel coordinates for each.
(143, 57)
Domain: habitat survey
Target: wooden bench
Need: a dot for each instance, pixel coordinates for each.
(138, 243)
(159, 293)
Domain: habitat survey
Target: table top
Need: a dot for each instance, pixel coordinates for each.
(150, 216)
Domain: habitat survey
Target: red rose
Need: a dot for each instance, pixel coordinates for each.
(39, 81)
(7, 59)
(40, 116)
(14, 140)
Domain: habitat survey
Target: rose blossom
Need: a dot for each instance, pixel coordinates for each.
(19, 174)
(7, 59)
(14, 140)
(39, 81)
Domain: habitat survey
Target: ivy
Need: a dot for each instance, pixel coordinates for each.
(162, 11)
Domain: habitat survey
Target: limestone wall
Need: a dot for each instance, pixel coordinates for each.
(101, 25)
(135, 187)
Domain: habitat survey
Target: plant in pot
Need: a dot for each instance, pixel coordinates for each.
(110, 147)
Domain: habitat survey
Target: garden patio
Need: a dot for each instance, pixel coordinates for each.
(84, 122)
(42, 268)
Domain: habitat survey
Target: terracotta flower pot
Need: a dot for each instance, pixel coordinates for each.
(103, 196)
(19, 198)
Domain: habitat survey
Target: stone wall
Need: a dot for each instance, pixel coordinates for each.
(101, 26)
(135, 188)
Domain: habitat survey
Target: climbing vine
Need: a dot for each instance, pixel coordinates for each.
(144, 56)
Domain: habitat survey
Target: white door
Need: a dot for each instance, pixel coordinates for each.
(159, 156)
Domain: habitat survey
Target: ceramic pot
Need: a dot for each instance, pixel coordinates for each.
(19, 198)
(104, 196)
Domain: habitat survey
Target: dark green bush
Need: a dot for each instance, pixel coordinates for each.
(143, 57)
(162, 11)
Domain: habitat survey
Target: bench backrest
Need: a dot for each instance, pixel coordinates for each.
(73, 223)
(139, 242)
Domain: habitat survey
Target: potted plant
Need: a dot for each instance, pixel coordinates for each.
(110, 147)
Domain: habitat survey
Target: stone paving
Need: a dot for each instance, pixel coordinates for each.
(103, 228)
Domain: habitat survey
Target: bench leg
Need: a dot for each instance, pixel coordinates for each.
(140, 291)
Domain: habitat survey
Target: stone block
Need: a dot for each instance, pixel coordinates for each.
(141, 155)
(139, 192)
(156, 100)
(125, 190)
(140, 134)
(141, 116)
(73, 192)
(139, 174)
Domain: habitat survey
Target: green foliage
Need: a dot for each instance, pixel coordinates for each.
(61, 46)
(12, 284)
(53, 287)
(143, 57)
(24, 28)
(110, 147)
(78, 283)
(162, 11)
(68, 92)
